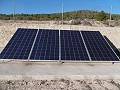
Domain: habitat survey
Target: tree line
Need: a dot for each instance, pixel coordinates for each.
(80, 14)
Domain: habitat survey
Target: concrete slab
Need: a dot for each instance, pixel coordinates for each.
(39, 70)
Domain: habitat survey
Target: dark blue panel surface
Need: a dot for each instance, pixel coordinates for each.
(72, 46)
(20, 44)
(98, 47)
(46, 46)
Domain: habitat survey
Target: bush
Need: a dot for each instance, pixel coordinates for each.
(101, 16)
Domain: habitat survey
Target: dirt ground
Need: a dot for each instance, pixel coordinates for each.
(61, 84)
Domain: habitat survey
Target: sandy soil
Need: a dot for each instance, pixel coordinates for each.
(61, 84)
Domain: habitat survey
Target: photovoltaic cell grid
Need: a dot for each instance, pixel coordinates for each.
(97, 46)
(46, 46)
(20, 45)
(72, 46)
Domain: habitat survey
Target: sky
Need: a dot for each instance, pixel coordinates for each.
(55, 6)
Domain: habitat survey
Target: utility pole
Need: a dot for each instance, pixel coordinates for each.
(110, 15)
(13, 7)
(62, 14)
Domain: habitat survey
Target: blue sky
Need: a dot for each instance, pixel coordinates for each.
(54, 6)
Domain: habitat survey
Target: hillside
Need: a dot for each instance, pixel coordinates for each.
(80, 14)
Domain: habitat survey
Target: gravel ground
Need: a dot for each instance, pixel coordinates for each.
(61, 84)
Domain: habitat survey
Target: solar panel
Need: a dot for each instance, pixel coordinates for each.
(20, 44)
(72, 46)
(97, 46)
(46, 46)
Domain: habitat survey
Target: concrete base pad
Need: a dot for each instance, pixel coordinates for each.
(50, 71)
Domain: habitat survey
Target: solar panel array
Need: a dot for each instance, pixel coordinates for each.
(64, 45)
